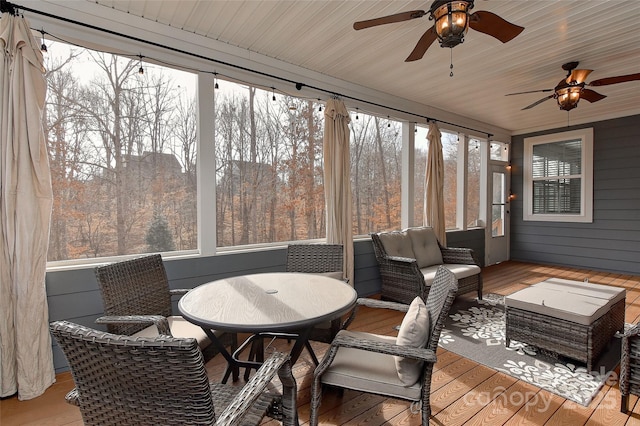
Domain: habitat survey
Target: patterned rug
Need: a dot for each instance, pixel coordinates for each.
(476, 330)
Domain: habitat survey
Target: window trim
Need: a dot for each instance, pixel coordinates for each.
(586, 187)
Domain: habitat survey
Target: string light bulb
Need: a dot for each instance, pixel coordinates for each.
(140, 70)
(320, 107)
(43, 47)
(388, 121)
(356, 113)
(215, 80)
(273, 92)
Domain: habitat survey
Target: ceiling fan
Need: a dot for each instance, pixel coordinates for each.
(452, 20)
(572, 88)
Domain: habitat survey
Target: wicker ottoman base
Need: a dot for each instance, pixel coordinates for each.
(577, 341)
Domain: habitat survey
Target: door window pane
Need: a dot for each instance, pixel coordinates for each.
(498, 205)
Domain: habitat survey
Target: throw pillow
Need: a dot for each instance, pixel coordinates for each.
(414, 332)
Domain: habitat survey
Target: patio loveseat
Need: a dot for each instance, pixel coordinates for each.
(408, 261)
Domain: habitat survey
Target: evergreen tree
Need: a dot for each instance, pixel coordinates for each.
(159, 237)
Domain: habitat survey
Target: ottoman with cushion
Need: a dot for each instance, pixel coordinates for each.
(571, 318)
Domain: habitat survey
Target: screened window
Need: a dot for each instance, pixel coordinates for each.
(474, 179)
(122, 152)
(269, 184)
(558, 182)
(376, 148)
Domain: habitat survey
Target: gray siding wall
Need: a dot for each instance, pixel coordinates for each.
(73, 295)
(612, 241)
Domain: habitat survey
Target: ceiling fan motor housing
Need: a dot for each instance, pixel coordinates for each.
(451, 20)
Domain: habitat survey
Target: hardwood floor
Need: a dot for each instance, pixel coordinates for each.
(463, 392)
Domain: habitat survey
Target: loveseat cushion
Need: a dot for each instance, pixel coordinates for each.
(459, 270)
(397, 243)
(425, 246)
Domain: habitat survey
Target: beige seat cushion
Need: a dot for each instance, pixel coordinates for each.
(397, 243)
(571, 301)
(414, 332)
(369, 371)
(459, 270)
(425, 246)
(180, 327)
(606, 292)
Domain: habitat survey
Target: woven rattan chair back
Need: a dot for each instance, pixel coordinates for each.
(120, 381)
(439, 301)
(134, 287)
(314, 258)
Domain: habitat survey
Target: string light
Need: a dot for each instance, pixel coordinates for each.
(273, 92)
(389, 121)
(320, 107)
(215, 79)
(356, 113)
(43, 47)
(140, 70)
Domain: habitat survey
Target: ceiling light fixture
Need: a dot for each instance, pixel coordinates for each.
(451, 20)
(568, 95)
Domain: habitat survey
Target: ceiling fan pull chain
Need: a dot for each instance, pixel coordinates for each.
(451, 62)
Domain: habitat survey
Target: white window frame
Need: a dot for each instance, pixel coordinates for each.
(586, 188)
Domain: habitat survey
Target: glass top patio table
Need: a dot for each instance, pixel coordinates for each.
(278, 302)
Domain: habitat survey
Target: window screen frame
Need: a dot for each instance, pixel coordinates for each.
(585, 215)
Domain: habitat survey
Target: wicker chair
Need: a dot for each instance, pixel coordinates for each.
(323, 259)
(135, 292)
(402, 278)
(630, 366)
(122, 380)
(365, 361)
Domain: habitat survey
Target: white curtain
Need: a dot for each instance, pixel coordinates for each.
(26, 360)
(434, 185)
(337, 180)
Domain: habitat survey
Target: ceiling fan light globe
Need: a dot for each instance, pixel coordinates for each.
(568, 97)
(452, 22)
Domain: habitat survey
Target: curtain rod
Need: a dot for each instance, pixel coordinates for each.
(298, 85)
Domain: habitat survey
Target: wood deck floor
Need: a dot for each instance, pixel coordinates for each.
(463, 392)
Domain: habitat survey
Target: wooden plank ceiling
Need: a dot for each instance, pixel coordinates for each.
(318, 35)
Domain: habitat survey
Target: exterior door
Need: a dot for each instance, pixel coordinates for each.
(499, 209)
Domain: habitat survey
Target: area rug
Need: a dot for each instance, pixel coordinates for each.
(475, 329)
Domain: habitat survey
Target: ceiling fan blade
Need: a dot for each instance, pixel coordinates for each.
(578, 76)
(423, 44)
(590, 95)
(493, 25)
(538, 102)
(615, 80)
(530, 91)
(398, 17)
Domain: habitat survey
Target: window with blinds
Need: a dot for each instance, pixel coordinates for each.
(557, 180)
